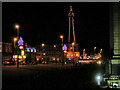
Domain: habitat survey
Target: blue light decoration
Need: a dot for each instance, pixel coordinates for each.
(69, 59)
(34, 50)
(20, 42)
(29, 49)
(80, 61)
(64, 48)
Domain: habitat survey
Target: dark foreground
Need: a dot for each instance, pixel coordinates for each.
(51, 76)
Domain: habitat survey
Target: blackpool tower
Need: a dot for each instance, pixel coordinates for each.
(71, 38)
(71, 21)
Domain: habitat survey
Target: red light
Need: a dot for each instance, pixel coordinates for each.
(43, 53)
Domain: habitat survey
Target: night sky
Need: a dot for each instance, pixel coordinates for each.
(44, 22)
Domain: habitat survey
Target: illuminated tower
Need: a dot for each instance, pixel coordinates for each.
(71, 21)
(114, 38)
(71, 27)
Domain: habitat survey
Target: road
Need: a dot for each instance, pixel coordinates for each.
(34, 77)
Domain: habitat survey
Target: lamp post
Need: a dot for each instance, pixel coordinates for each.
(101, 53)
(17, 27)
(42, 49)
(94, 51)
(83, 53)
(61, 36)
(15, 39)
(98, 79)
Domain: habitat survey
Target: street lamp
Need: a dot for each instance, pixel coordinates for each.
(43, 44)
(101, 50)
(42, 49)
(98, 78)
(17, 27)
(54, 46)
(83, 53)
(94, 51)
(61, 36)
(73, 44)
(15, 39)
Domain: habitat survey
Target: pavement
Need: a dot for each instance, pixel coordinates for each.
(54, 75)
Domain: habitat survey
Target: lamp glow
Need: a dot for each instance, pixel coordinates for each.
(17, 26)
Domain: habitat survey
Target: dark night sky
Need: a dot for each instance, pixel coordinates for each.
(45, 22)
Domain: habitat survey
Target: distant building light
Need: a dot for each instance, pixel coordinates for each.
(53, 58)
(44, 53)
(54, 45)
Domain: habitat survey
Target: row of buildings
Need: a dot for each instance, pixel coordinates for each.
(27, 54)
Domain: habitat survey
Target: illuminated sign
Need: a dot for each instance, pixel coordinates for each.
(64, 47)
(20, 56)
(22, 52)
(20, 47)
(20, 42)
(31, 49)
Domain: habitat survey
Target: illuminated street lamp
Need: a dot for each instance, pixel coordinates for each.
(94, 51)
(98, 79)
(17, 27)
(15, 39)
(61, 36)
(101, 50)
(54, 46)
(43, 44)
(83, 52)
(43, 49)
